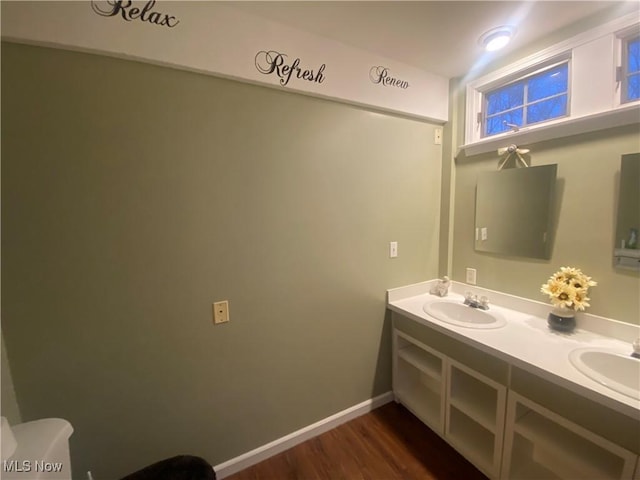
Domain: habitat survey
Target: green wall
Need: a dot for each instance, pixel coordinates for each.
(585, 206)
(134, 196)
(585, 209)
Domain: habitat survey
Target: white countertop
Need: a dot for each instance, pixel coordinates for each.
(526, 341)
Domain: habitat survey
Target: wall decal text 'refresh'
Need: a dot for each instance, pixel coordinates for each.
(271, 62)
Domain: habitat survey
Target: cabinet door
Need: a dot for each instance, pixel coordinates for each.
(475, 417)
(418, 379)
(541, 444)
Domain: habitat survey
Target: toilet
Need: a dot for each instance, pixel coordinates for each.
(37, 450)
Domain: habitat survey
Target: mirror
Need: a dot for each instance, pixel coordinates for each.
(627, 251)
(514, 211)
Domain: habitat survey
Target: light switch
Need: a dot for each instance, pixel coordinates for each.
(393, 249)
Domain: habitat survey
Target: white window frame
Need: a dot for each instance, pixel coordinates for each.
(481, 116)
(623, 37)
(592, 105)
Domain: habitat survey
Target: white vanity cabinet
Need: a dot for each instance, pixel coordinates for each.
(463, 406)
(511, 424)
(418, 380)
(474, 421)
(541, 444)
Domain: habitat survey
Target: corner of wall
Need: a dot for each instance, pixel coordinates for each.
(453, 130)
(8, 402)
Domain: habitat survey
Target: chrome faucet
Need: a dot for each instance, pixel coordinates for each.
(474, 302)
(636, 349)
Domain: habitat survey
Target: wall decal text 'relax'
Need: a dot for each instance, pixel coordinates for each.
(125, 8)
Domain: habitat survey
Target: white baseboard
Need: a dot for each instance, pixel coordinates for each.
(259, 454)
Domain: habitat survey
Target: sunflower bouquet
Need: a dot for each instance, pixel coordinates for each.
(568, 288)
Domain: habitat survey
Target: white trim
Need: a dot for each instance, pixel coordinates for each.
(627, 114)
(259, 454)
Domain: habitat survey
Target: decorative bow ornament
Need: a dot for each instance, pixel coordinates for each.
(512, 151)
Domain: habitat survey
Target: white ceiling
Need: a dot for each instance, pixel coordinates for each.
(437, 36)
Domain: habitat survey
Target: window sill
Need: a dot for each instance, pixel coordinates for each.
(624, 115)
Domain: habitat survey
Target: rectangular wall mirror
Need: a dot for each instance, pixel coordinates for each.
(514, 210)
(627, 246)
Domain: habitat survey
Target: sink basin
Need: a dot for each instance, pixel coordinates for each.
(616, 371)
(464, 316)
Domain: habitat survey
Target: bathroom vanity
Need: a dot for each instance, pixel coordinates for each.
(509, 394)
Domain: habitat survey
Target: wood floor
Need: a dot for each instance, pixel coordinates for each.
(388, 443)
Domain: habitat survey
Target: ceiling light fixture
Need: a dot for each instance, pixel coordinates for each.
(496, 38)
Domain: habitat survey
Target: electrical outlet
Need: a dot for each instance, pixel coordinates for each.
(471, 276)
(393, 249)
(221, 312)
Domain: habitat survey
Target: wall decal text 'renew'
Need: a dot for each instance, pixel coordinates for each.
(272, 62)
(380, 75)
(111, 8)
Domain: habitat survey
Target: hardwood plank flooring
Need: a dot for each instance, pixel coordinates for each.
(389, 443)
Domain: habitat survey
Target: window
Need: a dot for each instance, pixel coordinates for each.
(567, 88)
(535, 98)
(630, 70)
